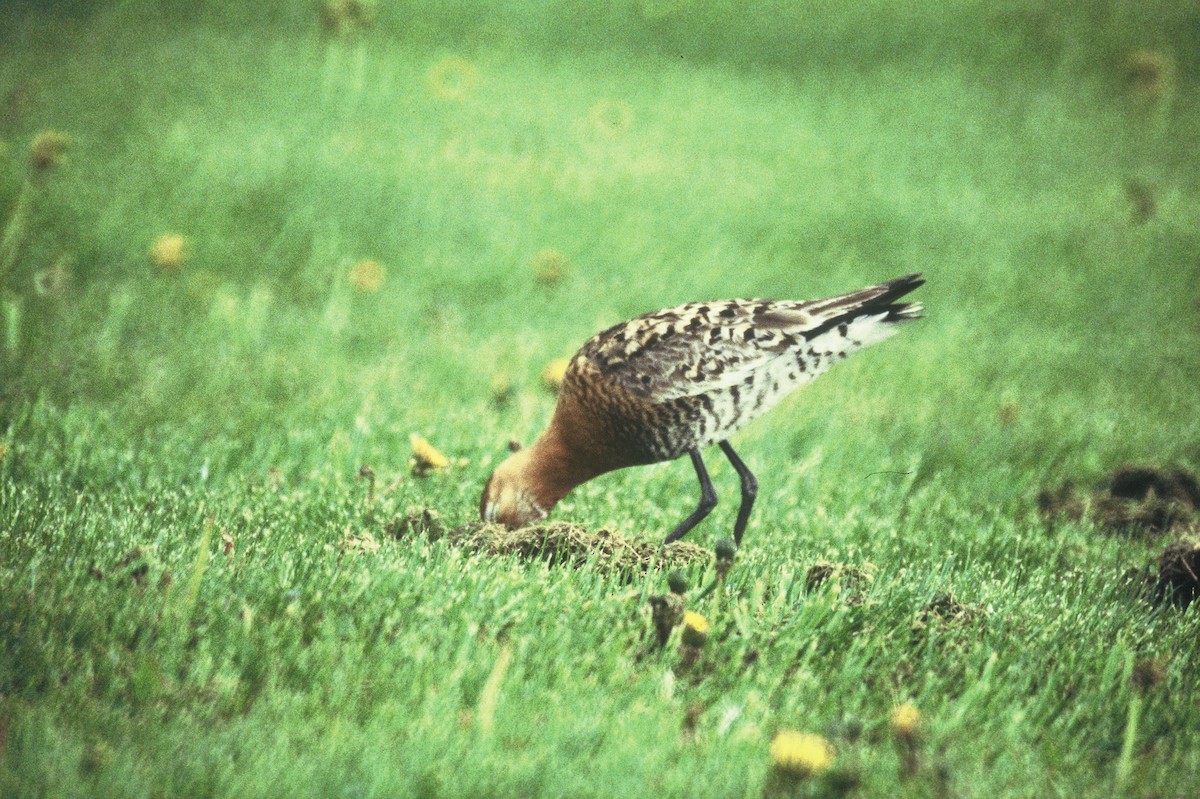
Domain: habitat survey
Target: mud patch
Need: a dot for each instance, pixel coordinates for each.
(1133, 500)
(1177, 580)
(560, 543)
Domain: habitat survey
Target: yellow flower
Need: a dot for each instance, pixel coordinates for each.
(555, 372)
(426, 456)
(452, 78)
(550, 266)
(905, 720)
(694, 621)
(367, 276)
(695, 628)
(800, 753)
(168, 252)
(46, 151)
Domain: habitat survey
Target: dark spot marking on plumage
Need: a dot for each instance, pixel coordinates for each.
(842, 354)
(695, 324)
(844, 329)
(645, 380)
(748, 335)
(703, 310)
(714, 335)
(728, 312)
(620, 337)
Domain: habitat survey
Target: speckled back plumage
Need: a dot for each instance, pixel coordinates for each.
(659, 385)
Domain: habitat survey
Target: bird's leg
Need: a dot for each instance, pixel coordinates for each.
(749, 491)
(708, 500)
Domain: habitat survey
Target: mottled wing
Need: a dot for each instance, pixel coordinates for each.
(704, 347)
(682, 351)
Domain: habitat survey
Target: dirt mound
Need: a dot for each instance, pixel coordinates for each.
(555, 542)
(1133, 500)
(1178, 577)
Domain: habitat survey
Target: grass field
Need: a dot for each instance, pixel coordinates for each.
(269, 249)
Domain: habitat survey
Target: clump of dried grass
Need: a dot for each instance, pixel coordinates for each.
(560, 543)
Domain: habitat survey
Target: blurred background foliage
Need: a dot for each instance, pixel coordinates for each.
(1037, 161)
(248, 248)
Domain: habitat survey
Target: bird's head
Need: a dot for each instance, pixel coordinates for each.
(511, 496)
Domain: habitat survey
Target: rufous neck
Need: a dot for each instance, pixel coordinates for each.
(554, 469)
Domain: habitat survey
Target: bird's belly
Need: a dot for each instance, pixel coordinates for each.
(625, 431)
(670, 429)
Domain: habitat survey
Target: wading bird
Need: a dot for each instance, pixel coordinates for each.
(674, 381)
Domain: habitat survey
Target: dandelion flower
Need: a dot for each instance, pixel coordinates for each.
(367, 276)
(46, 151)
(553, 374)
(803, 754)
(453, 78)
(695, 629)
(905, 720)
(169, 252)
(426, 456)
(906, 725)
(550, 266)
